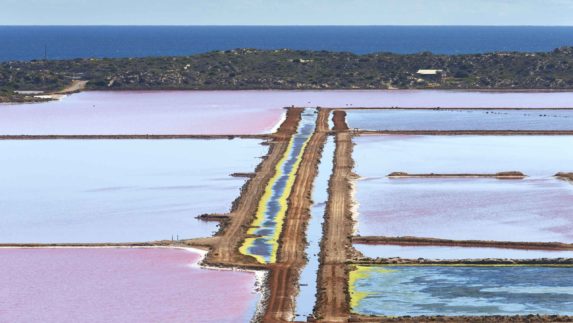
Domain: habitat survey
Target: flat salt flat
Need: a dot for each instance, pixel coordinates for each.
(58, 191)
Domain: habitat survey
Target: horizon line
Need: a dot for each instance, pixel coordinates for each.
(256, 25)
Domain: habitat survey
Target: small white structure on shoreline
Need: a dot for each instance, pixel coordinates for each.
(430, 72)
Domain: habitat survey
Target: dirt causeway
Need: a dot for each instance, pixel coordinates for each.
(225, 248)
(332, 302)
(284, 276)
(417, 241)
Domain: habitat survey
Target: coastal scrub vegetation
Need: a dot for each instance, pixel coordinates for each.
(291, 69)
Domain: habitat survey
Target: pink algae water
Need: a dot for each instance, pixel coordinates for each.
(533, 209)
(126, 113)
(378, 156)
(227, 112)
(120, 285)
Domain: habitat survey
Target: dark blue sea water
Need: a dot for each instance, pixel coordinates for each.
(26, 43)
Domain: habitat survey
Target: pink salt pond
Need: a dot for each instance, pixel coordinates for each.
(120, 285)
(226, 112)
(136, 113)
(533, 209)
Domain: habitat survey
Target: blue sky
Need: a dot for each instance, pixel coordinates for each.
(286, 12)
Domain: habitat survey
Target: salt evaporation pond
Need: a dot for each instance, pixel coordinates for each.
(456, 291)
(131, 113)
(120, 285)
(306, 298)
(446, 119)
(267, 227)
(118, 190)
(533, 209)
(379, 155)
(227, 112)
(450, 253)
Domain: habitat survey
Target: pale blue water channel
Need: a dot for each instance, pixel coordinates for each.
(118, 190)
(452, 119)
(306, 297)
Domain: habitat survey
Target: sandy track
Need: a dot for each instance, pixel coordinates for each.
(483, 262)
(332, 303)
(285, 274)
(416, 241)
(499, 175)
(225, 249)
(75, 86)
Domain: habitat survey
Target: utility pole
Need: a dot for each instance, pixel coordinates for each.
(45, 52)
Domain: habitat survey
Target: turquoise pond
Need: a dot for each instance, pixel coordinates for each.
(456, 291)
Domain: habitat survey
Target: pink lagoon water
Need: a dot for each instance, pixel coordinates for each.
(118, 190)
(377, 156)
(227, 112)
(533, 209)
(120, 285)
(447, 253)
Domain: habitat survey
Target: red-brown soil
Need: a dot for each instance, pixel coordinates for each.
(501, 175)
(333, 301)
(339, 118)
(415, 241)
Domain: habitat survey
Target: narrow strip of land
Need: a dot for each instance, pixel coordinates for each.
(224, 250)
(333, 302)
(546, 262)
(500, 175)
(416, 241)
(285, 273)
(564, 175)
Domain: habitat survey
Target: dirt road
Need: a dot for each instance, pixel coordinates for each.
(225, 248)
(332, 302)
(418, 241)
(76, 86)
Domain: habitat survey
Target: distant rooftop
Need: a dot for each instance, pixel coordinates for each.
(429, 72)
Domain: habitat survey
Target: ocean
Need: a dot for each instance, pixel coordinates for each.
(68, 42)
